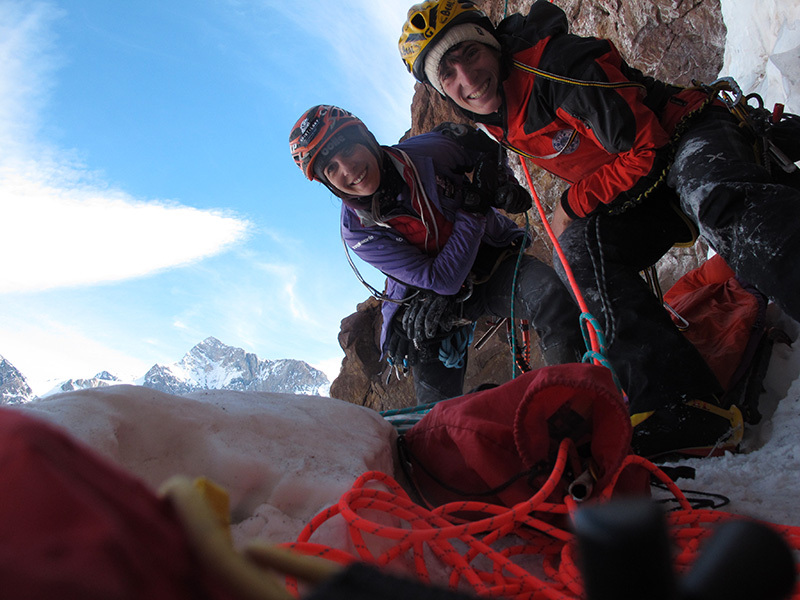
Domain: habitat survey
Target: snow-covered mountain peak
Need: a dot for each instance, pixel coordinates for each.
(213, 365)
(13, 387)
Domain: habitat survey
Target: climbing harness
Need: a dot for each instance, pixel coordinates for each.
(680, 129)
(757, 120)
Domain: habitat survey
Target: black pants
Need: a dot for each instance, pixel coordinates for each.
(752, 222)
(539, 297)
(749, 218)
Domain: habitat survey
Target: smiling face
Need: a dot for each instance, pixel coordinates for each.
(470, 76)
(354, 171)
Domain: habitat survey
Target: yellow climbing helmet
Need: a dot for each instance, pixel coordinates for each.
(427, 22)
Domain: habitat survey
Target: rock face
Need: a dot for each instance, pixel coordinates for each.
(367, 380)
(673, 40)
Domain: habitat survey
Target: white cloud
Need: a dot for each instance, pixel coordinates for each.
(287, 282)
(63, 225)
(26, 67)
(60, 230)
(68, 236)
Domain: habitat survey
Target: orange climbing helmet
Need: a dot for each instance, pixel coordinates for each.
(321, 131)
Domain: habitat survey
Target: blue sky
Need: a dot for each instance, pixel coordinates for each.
(148, 196)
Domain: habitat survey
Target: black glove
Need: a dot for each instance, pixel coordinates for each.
(492, 187)
(479, 197)
(404, 350)
(400, 351)
(430, 316)
(513, 198)
(419, 329)
(424, 317)
(475, 202)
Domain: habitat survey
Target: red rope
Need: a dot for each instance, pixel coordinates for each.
(386, 528)
(567, 269)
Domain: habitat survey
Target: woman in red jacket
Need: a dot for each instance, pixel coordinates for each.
(574, 107)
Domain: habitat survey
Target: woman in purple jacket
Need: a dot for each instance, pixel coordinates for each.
(424, 212)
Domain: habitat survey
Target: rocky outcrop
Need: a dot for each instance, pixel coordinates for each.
(673, 40)
(366, 380)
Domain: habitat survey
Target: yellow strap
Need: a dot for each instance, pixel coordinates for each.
(210, 541)
(579, 82)
(639, 418)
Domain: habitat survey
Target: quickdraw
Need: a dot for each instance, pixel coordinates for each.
(522, 351)
(757, 119)
(651, 277)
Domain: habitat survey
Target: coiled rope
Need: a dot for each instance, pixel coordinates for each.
(516, 553)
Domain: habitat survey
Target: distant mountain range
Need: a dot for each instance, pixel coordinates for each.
(210, 365)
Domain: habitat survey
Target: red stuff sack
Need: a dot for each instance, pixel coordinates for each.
(500, 445)
(721, 313)
(726, 321)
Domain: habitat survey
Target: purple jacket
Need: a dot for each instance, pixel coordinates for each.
(435, 156)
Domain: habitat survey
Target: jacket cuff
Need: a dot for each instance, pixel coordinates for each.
(565, 205)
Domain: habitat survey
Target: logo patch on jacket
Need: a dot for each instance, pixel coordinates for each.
(564, 137)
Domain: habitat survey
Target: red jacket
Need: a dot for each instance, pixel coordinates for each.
(609, 142)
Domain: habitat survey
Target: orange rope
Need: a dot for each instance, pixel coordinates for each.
(568, 270)
(478, 555)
